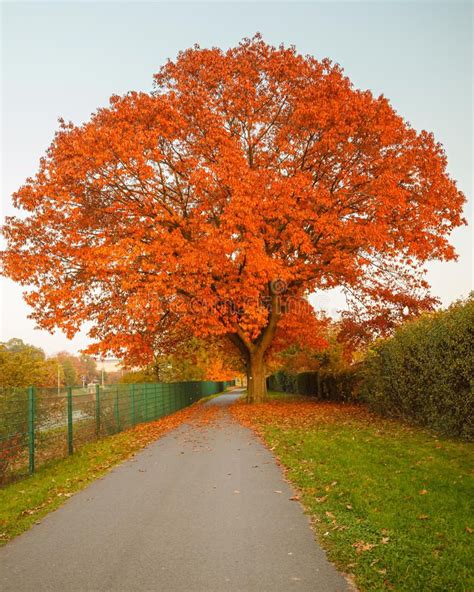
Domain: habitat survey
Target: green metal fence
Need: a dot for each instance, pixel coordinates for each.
(42, 424)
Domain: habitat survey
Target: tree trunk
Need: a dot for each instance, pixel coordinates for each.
(253, 352)
(256, 382)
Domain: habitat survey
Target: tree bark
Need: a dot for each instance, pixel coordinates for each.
(253, 352)
(256, 381)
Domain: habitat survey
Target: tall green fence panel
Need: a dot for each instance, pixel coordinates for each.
(41, 424)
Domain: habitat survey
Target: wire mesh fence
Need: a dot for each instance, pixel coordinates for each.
(41, 424)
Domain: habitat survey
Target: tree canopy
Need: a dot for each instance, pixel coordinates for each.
(24, 365)
(215, 204)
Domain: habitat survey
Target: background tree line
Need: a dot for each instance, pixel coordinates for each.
(22, 364)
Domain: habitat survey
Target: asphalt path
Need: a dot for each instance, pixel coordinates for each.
(203, 509)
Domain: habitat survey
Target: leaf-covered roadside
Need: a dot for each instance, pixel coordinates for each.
(26, 502)
(391, 504)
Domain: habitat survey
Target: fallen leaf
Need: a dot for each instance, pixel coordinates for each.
(330, 515)
(362, 546)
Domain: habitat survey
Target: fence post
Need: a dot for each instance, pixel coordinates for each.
(31, 429)
(97, 409)
(132, 397)
(70, 449)
(116, 409)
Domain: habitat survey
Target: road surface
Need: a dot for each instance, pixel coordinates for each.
(204, 509)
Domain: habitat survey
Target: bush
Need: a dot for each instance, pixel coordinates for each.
(425, 372)
(325, 386)
(282, 382)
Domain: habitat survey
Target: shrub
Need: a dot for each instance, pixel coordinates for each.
(425, 372)
(325, 386)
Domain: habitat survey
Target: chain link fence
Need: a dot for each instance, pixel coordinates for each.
(41, 424)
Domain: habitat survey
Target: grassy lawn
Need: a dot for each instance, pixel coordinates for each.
(25, 502)
(391, 504)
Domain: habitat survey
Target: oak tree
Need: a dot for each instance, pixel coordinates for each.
(215, 204)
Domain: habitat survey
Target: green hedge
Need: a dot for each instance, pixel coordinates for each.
(325, 386)
(425, 372)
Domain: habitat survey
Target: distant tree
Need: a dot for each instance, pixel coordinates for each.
(16, 345)
(22, 365)
(52, 373)
(248, 179)
(137, 376)
(77, 369)
(70, 374)
(86, 368)
(191, 359)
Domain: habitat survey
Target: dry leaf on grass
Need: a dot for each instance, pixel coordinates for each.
(362, 547)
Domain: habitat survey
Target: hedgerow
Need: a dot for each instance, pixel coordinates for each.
(325, 386)
(425, 372)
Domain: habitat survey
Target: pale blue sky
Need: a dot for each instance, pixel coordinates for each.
(66, 59)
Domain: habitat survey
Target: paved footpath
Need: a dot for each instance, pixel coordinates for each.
(196, 511)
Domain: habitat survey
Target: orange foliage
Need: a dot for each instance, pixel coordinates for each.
(297, 413)
(217, 371)
(246, 180)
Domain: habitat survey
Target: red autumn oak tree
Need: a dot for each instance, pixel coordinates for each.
(215, 204)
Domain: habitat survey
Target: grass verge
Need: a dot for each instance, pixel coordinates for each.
(391, 504)
(26, 502)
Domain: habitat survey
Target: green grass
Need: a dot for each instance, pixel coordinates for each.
(375, 482)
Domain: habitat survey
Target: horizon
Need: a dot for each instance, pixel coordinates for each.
(71, 83)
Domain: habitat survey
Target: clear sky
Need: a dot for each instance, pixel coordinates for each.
(66, 59)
